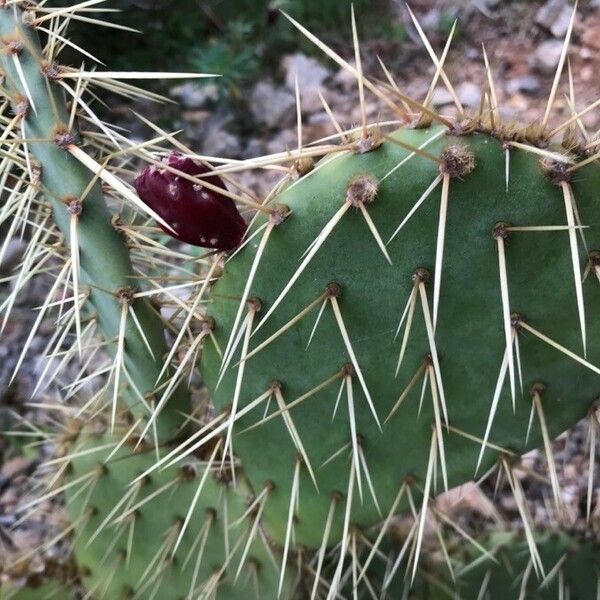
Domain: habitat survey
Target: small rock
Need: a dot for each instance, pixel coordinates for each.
(441, 97)
(9, 500)
(311, 75)
(15, 466)
(285, 140)
(485, 6)
(591, 34)
(528, 460)
(570, 472)
(272, 106)
(431, 20)
(254, 147)
(508, 503)
(561, 25)
(528, 84)
(210, 132)
(469, 94)
(192, 95)
(316, 127)
(195, 117)
(468, 495)
(14, 251)
(345, 79)
(587, 73)
(222, 143)
(554, 16)
(547, 55)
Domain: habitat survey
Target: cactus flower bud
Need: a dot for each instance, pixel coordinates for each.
(198, 215)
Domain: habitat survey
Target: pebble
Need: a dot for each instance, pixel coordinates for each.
(311, 75)
(254, 147)
(317, 126)
(547, 55)
(528, 84)
(192, 95)
(591, 35)
(271, 105)
(15, 466)
(8, 500)
(555, 16)
(219, 142)
(282, 141)
(469, 94)
(441, 97)
(195, 116)
(14, 251)
(431, 20)
(486, 6)
(561, 25)
(587, 73)
(345, 79)
(473, 53)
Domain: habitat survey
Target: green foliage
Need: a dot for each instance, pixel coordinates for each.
(506, 570)
(447, 22)
(236, 38)
(570, 563)
(233, 56)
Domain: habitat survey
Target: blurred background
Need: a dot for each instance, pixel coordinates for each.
(249, 110)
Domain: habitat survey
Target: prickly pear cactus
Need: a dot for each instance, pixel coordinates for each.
(184, 532)
(393, 357)
(100, 267)
(31, 592)
(412, 309)
(570, 568)
(502, 567)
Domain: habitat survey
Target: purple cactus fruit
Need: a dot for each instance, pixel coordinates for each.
(199, 216)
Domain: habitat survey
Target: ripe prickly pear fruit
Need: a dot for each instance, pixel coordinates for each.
(199, 214)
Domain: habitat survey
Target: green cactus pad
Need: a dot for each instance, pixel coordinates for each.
(132, 555)
(46, 591)
(469, 337)
(106, 274)
(570, 569)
